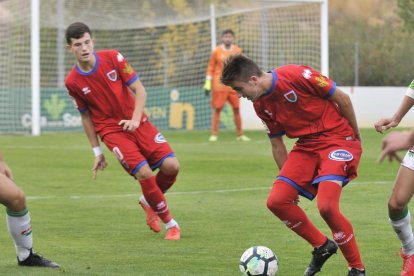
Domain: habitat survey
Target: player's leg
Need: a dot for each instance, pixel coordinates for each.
(399, 215)
(19, 224)
(124, 147)
(167, 173)
(282, 203)
(218, 99)
(295, 177)
(329, 193)
(159, 155)
(234, 101)
(154, 197)
(215, 124)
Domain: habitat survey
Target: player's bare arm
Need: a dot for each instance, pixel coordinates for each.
(387, 123)
(99, 162)
(4, 168)
(345, 105)
(140, 99)
(279, 151)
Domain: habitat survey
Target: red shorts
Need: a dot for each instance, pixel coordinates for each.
(144, 146)
(313, 161)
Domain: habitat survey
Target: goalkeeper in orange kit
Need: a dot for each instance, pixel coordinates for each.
(221, 93)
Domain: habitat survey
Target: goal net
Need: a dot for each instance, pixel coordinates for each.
(168, 42)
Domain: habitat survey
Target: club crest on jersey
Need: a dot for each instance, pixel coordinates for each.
(340, 155)
(112, 75)
(291, 96)
(159, 139)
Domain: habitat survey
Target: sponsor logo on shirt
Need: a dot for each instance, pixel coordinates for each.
(112, 75)
(86, 90)
(307, 74)
(291, 96)
(159, 139)
(322, 81)
(340, 155)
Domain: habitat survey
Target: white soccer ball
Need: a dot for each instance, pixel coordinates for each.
(258, 260)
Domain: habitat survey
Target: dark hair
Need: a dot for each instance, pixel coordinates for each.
(76, 30)
(239, 68)
(227, 31)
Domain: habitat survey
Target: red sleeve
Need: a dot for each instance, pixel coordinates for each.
(315, 82)
(273, 128)
(78, 102)
(127, 74)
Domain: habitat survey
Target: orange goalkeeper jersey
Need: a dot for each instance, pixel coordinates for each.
(216, 64)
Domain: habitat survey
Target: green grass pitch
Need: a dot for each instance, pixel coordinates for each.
(97, 228)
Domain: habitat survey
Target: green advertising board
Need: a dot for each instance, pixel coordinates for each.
(185, 108)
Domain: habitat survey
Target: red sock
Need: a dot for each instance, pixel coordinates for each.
(165, 181)
(281, 203)
(155, 198)
(329, 194)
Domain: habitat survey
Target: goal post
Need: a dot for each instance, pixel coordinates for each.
(167, 42)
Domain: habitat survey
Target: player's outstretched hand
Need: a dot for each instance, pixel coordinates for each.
(385, 124)
(392, 143)
(100, 164)
(129, 125)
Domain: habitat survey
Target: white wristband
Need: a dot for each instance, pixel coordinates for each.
(410, 93)
(97, 151)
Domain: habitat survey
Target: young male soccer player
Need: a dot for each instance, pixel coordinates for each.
(403, 191)
(299, 102)
(101, 84)
(18, 220)
(221, 94)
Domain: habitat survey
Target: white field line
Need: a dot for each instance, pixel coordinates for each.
(77, 197)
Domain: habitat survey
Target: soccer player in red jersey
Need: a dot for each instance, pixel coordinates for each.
(18, 220)
(102, 85)
(299, 102)
(403, 190)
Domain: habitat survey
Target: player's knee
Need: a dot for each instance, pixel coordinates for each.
(171, 166)
(276, 204)
(18, 201)
(326, 211)
(144, 173)
(394, 206)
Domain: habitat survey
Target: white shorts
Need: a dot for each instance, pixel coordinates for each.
(408, 160)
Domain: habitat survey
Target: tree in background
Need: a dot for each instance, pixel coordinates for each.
(405, 11)
(384, 46)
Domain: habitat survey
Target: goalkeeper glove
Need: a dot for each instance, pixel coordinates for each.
(207, 87)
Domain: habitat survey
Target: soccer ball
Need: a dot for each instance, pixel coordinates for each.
(258, 260)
